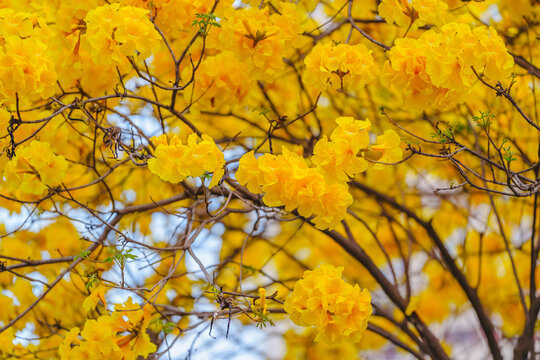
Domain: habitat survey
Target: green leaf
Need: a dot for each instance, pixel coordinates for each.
(82, 255)
(120, 256)
(92, 280)
(484, 120)
(204, 22)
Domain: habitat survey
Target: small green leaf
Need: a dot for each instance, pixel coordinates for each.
(204, 22)
(120, 256)
(250, 270)
(168, 327)
(263, 320)
(508, 153)
(82, 255)
(484, 120)
(214, 290)
(206, 176)
(92, 280)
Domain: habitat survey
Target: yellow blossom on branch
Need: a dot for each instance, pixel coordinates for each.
(388, 147)
(97, 295)
(120, 335)
(175, 161)
(262, 308)
(338, 310)
(436, 70)
(288, 181)
(34, 168)
(339, 158)
(26, 70)
(413, 13)
(114, 32)
(343, 66)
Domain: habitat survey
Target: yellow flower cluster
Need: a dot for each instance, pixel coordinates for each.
(260, 39)
(287, 180)
(436, 69)
(220, 81)
(342, 66)
(23, 25)
(174, 17)
(323, 300)
(431, 11)
(34, 168)
(175, 161)
(302, 346)
(416, 12)
(322, 191)
(114, 33)
(25, 65)
(339, 158)
(121, 335)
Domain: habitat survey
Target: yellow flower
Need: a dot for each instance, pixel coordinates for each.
(388, 146)
(435, 70)
(71, 337)
(339, 159)
(287, 180)
(335, 202)
(131, 318)
(15, 23)
(204, 156)
(166, 161)
(417, 12)
(251, 34)
(342, 66)
(302, 346)
(248, 173)
(174, 162)
(114, 32)
(97, 335)
(120, 335)
(6, 342)
(263, 307)
(354, 131)
(221, 81)
(492, 56)
(34, 168)
(26, 69)
(338, 310)
(97, 295)
(431, 11)
(395, 11)
(5, 117)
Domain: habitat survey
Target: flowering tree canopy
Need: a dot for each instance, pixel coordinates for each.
(294, 179)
